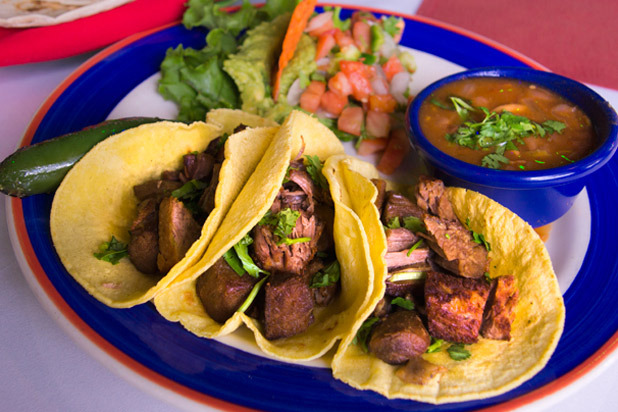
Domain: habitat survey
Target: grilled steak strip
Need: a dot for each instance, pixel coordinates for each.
(177, 232)
(399, 337)
(455, 306)
(500, 310)
(144, 244)
(221, 290)
(432, 198)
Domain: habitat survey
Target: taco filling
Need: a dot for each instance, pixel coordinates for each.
(285, 266)
(438, 291)
(173, 208)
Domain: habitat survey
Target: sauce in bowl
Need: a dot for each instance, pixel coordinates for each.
(506, 124)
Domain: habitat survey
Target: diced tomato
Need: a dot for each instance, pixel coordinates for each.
(361, 87)
(340, 84)
(320, 24)
(348, 67)
(343, 38)
(361, 32)
(392, 67)
(362, 16)
(326, 42)
(333, 102)
(378, 123)
(310, 99)
(382, 103)
(351, 120)
(371, 146)
(396, 150)
(316, 87)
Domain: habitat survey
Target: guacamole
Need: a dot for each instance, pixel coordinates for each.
(252, 67)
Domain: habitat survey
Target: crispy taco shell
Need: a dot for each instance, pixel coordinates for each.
(96, 200)
(494, 366)
(180, 302)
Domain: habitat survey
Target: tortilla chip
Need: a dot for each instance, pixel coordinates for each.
(180, 302)
(96, 201)
(494, 366)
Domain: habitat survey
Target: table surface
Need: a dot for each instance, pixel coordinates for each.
(43, 368)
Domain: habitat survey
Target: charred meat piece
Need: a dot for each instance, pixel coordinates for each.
(432, 198)
(304, 181)
(455, 244)
(418, 371)
(288, 305)
(177, 232)
(397, 205)
(380, 184)
(156, 189)
(197, 166)
(173, 175)
(383, 307)
(222, 290)
(207, 200)
(323, 295)
(400, 239)
(144, 244)
(403, 288)
(399, 337)
(216, 148)
(500, 309)
(326, 215)
(292, 258)
(406, 258)
(455, 306)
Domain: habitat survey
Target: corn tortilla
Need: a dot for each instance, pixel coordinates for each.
(180, 302)
(96, 200)
(494, 366)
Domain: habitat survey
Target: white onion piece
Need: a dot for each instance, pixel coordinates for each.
(294, 93)
(319, 20)
(399, 86)
(323, 62)
(379, 85)
(323, 113)
(389, 47)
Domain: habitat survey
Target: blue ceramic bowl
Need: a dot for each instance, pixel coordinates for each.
(539, 197)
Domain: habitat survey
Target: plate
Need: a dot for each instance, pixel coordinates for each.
(122, 80)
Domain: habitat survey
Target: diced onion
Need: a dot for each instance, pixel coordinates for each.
(407, 275)
(318, 21)
(399, 85)
(378, 82)
(294, 93)
(389, 47)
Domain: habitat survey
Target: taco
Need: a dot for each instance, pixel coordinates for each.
(131, 195)
(465, 302)
(300, 310)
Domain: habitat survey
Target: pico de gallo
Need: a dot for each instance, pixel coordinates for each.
(349, 72)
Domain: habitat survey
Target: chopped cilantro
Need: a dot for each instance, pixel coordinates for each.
(242, 250)
(487, 277)
(314, 168)
(112, 251)
(403, 303)
(457, 352)
(497, 131)
(232, 259)
(363, 333)
(414, 247)
(254, 291)
(389, 24)
(393, 223)
(327, 276)
(190, 190)
(436, 345)
(414, 224)
(284, 222)
(480, 239)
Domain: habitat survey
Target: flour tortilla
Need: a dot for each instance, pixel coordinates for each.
(33, 13)
(179, 302)
(495, 366)
(95, 200)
